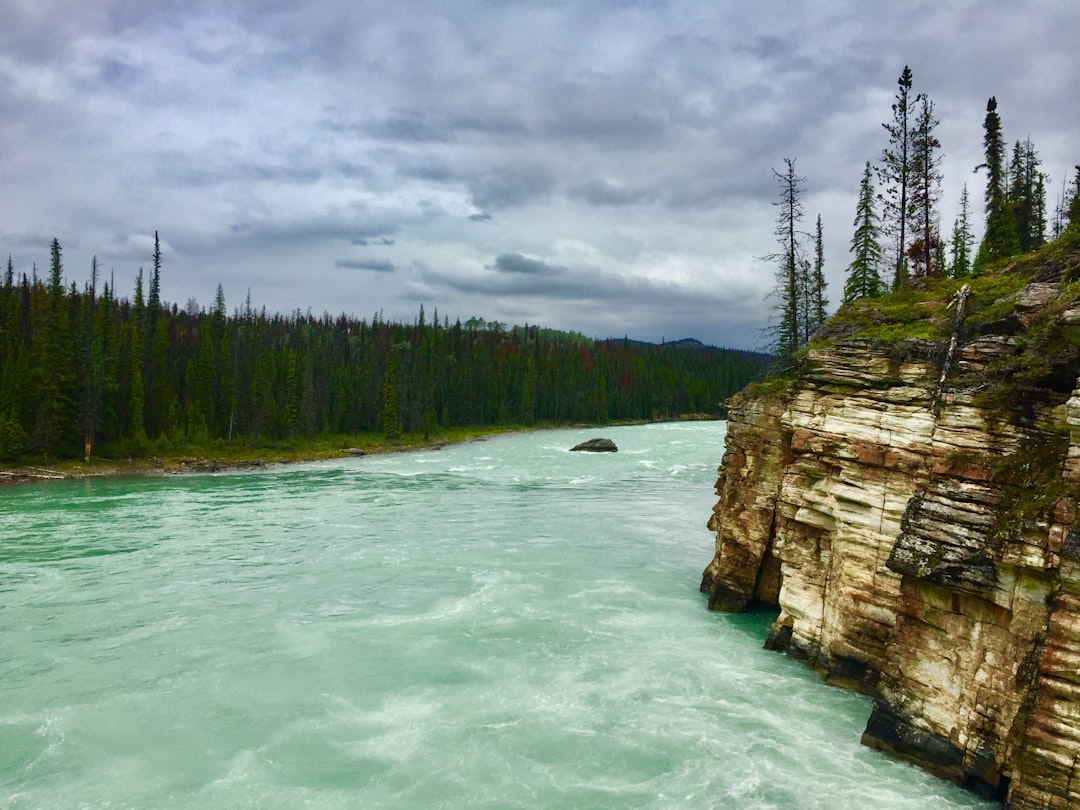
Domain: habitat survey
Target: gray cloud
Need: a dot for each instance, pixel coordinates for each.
(511, 185)
(515, 275)
(360, 264)
(516, 263)
(626, 148)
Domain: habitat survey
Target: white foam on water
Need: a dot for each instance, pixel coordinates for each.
(519, 627)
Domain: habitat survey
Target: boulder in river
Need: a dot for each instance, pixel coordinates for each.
(597, 446)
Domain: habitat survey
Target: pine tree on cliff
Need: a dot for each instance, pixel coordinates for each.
(925, 190)
(1066, 212)
(1027, 196)
(1074, 203)
(818, 303)
(787, 290)
(863, 280)
(962, 239)
(805, 281)
(895, 174)
(1000, 240)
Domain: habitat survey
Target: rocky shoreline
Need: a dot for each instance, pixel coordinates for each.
(153, 465)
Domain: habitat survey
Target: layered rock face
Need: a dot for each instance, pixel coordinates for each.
(920, 539)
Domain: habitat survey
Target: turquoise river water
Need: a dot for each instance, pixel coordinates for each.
(497, 624)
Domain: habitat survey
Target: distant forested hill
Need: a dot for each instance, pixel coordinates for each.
(83, 369)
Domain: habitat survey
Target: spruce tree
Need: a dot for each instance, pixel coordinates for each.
(55, 371)
(925, 189)
(863, 279)
(153, 300)
(1074, 203)
(962, 239)
(1067, 210)
(895, 175)
(88, 368)
(805, 281)
(1027, 196)
(1000, 240)
(818, 302)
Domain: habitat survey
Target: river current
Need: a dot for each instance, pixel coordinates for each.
(497, 624)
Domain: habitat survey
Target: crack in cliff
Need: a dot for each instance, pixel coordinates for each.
(884, 498)
(960, 302)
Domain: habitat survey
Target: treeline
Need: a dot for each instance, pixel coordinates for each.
(897, 239)
(900, 242)
(84, 372)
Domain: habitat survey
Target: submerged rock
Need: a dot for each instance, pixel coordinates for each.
(596, 446)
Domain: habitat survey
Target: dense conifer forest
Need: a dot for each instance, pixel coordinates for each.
(87, 372)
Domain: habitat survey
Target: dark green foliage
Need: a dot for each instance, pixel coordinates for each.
(131, 377)
(1027, 196)
(12, 437)
(816, 302)
(391, 414)
(54, 362)
(1074, 201)
(962, 240)
(1000, 240)
(863, 278)
(994, 150)
(1067, 210)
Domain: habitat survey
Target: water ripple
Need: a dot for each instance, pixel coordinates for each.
(501, 624)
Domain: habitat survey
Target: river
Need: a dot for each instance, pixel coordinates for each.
(498, 624)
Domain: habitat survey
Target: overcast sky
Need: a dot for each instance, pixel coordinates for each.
(604, 167)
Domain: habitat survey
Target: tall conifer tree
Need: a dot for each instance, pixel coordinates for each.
(925, 189)
(863, 278)
(790, 213)
(962, 239)
(1074, 203)
(895, 175)
(818, 301)
(1000, 240)
(1027, 196)
(55, 372)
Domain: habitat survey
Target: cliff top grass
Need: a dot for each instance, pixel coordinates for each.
(921, 310)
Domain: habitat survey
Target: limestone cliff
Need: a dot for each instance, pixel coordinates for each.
(909, 504)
